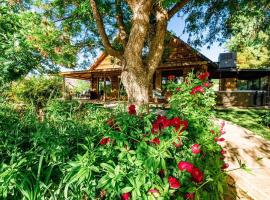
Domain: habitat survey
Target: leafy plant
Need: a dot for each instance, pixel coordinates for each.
(81, 151)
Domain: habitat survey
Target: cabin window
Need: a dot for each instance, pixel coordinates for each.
(264, 83)
(253, 84)
(242, 85)
(256, 84)
(178, 74)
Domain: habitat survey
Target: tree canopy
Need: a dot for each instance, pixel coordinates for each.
(29, 42)
(135, 31)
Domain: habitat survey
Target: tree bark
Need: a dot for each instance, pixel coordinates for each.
(138, 68)
(137, 87)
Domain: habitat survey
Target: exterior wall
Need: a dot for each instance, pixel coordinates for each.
(241, 98)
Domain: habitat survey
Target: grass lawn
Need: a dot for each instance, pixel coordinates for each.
(248, 118)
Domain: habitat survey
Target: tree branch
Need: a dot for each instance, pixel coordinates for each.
(176, 8)
(140, 24)
(120, 23)
(102, 32)
(157, 42)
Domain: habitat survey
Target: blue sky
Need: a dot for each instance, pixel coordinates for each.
(177, 25)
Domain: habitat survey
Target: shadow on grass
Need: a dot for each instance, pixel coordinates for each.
(247, 118)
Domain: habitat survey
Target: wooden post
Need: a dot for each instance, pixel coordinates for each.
(104, 93)
(158, 80)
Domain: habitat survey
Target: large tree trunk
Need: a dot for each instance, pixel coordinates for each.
(136, 86)
(145, 34)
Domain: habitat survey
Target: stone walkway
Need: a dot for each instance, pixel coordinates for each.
(242, 145)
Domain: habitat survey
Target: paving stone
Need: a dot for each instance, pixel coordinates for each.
(243, 145)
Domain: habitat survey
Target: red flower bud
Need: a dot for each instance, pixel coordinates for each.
(221, 139)
(182, 165)
(225, 166)
(125, 196)
(207, 84)
(190, 196)
(171, 77)
(197, 175)
(222, 152)
(132, 110)
(197, 89)
(196, 149)
(203, 76)
(174, 183)
(155, 141)
(104, 141)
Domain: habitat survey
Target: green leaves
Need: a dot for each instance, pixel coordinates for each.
(62, 158)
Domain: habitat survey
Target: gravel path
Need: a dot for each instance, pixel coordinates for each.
(252, 150)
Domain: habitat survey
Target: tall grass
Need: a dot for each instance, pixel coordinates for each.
(35, 157)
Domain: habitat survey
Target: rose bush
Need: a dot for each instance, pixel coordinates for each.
(174, 156)
(82, 152)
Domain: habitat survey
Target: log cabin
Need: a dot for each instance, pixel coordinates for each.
(179, 59)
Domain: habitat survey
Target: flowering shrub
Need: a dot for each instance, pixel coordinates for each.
(128, 155)
(176, 156)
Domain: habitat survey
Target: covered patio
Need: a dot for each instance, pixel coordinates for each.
(242, 87)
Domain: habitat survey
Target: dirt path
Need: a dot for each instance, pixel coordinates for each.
(242, 145)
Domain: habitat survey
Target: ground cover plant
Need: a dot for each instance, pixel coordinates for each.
(256, 120)
(81, 151)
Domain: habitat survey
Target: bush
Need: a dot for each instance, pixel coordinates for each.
(265, 119)
(36, 91)
(84, 152)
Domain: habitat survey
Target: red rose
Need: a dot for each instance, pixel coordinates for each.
(178, 89)
(221, 140)
(216, 139)
(203, 76)
(163, 121)
(155, 127)
(132, 109)
(104, 141)
(225, 166)
(196, 149)
(174, 183)
(171, 77)
(176, 122)
(212, 131)
(197, 175)
(155, 141)
(125, 196)
(190, 196)
(197, 89)
(222, 152)
(182, 165)
(207, 84)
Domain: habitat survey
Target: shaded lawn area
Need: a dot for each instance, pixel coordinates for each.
(249, 118)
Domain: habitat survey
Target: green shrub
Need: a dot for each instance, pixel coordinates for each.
(265, 119)
(81, 151)
(36, 91)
